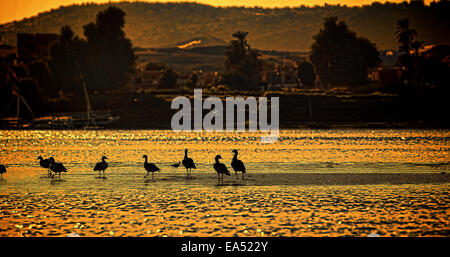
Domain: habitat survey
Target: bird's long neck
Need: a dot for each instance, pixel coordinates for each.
(103, 159)
(145, 159)
(185, 154)
(217, 160)
(235, 155)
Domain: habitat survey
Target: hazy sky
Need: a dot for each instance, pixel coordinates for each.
(17, 9)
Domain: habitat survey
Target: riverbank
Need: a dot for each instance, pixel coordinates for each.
(152, 110)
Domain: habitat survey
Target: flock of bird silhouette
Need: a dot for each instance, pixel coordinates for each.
(188, 163)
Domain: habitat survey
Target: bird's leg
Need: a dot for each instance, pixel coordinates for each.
(243, 176)
(237, 176)
(146, 175)
(153, 176)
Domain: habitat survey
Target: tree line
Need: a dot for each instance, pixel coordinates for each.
(283, 29)
(340, 58)
(105, 60)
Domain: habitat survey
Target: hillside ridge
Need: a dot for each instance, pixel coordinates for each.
(285, 29)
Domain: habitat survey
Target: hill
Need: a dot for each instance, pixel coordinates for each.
(205, 58)
(285, 29)
(205, 41)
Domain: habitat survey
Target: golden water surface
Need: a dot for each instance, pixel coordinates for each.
(281, 204)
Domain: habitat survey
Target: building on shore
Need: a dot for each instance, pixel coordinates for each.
(283, 76)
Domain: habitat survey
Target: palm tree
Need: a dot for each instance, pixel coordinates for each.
(407, 42)
(241, 65)
(405, 35)
(241, 37)
(415, 46)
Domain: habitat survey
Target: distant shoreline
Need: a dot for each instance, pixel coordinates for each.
(296, 111)
(296, 126)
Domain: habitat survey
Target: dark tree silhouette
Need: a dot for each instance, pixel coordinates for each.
(340, 57)
(192, 80)
(108, 58)
(64, 57)
(405, 35)
(154, 66)
(168, 79)
(410, 61)
(242, 65)
(307, 74)
(416, 45)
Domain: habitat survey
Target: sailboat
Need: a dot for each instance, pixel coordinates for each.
(16, 121)
(89, 119)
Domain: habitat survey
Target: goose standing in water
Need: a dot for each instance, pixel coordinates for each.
(45, 163)
(2, 170)
(237, 165)
(101, 166)
(57, 167)
(150, 167)
(220, 168)
(188, 163)
(176, 165)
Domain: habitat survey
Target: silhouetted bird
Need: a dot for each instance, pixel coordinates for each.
(188, 163)
(57, 167)
(176, 165)
(45, 163)
(2, 170)
(237, 165)
(150, 167)
(101, 166)
(220, 168)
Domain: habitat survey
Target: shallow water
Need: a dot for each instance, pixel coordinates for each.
(296, 150)
(127, 204)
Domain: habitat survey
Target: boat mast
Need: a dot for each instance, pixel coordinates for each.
(16, 91)
(86, 95)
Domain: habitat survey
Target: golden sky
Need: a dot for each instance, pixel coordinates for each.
(17, 9)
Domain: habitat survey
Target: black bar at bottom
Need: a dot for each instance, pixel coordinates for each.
(224, 246)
